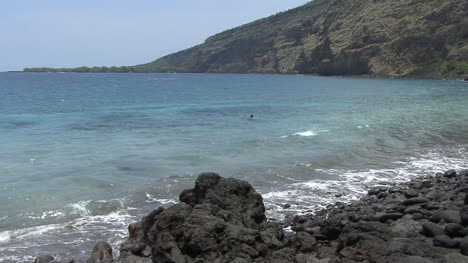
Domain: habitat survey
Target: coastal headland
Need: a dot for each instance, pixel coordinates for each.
(384, 38)
(223, 220)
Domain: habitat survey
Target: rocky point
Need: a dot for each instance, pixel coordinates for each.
(223, 220)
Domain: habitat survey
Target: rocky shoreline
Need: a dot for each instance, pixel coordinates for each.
(223, 220)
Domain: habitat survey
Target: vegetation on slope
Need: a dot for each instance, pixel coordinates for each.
(396, 38)
(121, 69)
(332, 37)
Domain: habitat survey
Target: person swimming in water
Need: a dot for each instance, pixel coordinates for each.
(251, 117)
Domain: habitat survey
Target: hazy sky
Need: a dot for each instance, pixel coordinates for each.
(71, 33)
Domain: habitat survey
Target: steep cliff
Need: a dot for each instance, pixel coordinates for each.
(427, 38)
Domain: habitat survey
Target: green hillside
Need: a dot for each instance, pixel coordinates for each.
(397, 38)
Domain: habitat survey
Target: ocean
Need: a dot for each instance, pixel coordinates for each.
(84, 155)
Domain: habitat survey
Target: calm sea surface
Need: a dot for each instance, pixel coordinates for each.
(84, 155)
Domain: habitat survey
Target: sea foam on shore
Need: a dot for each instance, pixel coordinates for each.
(223, 220)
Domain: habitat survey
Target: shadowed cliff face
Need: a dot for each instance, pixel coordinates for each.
(427, 38)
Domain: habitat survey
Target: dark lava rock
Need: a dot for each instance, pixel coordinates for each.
(462, 190)
(395, 189)
(455, 258)
(445, 241)
(377, 190)
(417, 216)
(466, 199)
(450, 173)
(449, 216)
(464, 246)
(44, 259)
(412, 209)
(305, 242)
(286, 206)
(464, 215)
(223, 220)
(382, 195)
(384, 217)
(415, 201)
(102, 253)
(219, 220)
(414, 259)
(431, 230)
(410, 193)
(463, 173)
(406, 227)
(455, 230)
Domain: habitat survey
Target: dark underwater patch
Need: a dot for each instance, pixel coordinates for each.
(17, 124)
(116, 121)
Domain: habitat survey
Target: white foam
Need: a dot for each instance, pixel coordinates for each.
(306, 133)
(48, 214)
(16, 234)
(118, 218)
(351, 185)
(17, 258)
(152, 199)
(80, 208)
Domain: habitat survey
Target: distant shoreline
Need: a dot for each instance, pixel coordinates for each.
(369, 76)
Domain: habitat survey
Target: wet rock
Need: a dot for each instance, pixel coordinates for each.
(455, 230)
(412, 209)
(464, 215)
(417, 216)
(463, 173)
(431, 230)
(354, 217)
(449, 216)
(384, 217)
(431, 206)
(331, 232)
(377, 190)
(135, 259)
(432, 195)
(353, 254)
(462, 190)
(455, 258)
(395, 189)
(220, 219)
(463, 243)
(414, 259)
(135, 248)
(410, 193)
(445, 241)
(44, 259)
(418, 185)
(305, 242)
(450, 173)
(415, 201)
(382, 195)
(286, 206)
(102, 253)
(406, 227)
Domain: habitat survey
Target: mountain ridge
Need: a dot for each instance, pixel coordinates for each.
(399, 38)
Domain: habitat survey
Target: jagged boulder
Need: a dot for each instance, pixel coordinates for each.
(102, 253)
(219, 220)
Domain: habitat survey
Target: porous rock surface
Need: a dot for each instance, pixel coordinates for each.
(220, 220)
(223, 220)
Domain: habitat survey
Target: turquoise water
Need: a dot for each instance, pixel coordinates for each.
(84, 155)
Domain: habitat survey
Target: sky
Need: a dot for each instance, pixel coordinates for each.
(72, 33)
